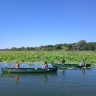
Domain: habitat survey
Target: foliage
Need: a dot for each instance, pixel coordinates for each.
(82, 45)
(49, 56)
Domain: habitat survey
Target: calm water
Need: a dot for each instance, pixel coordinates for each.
(75, 82)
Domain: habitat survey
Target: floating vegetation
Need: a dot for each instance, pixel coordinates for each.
(50, 56)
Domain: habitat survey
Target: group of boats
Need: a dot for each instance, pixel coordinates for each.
(40, 70)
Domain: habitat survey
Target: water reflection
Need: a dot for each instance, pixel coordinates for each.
(45, 77)
(17, 76)
(83, 71)
(7, 76)
(61, 71)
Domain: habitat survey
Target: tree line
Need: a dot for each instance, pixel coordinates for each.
(82, 45)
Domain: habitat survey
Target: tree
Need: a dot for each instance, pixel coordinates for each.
(13, 49)
(80, 44)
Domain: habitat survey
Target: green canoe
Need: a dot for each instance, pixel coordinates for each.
(28, 70)
(70, 65)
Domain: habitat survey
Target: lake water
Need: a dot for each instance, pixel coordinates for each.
(73, 82)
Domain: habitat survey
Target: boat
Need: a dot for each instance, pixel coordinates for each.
(28, 70)
(70, 66)
(82, 66)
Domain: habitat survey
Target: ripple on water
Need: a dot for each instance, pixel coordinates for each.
(75, 82)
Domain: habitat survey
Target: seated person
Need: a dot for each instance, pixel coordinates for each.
(17, 65)
(63, 62)
(83, 63)
(45, 66)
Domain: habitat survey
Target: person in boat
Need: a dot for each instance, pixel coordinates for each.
(83, 63)
(17, 65)
(45, 66)
(63, 62)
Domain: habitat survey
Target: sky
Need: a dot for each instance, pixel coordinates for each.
(32, 23)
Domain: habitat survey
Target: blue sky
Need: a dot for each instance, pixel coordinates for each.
(31, 23)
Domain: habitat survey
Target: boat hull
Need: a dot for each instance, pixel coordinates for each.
(70, 65)
(28, 70)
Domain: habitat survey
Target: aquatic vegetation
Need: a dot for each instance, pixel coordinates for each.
(49, 56)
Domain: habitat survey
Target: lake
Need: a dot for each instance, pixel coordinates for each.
(73, 82)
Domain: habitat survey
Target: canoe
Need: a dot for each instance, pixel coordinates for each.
(81, 66)
(28, 70)
(70, 65)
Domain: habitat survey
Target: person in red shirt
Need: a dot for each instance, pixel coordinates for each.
(17, 65)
